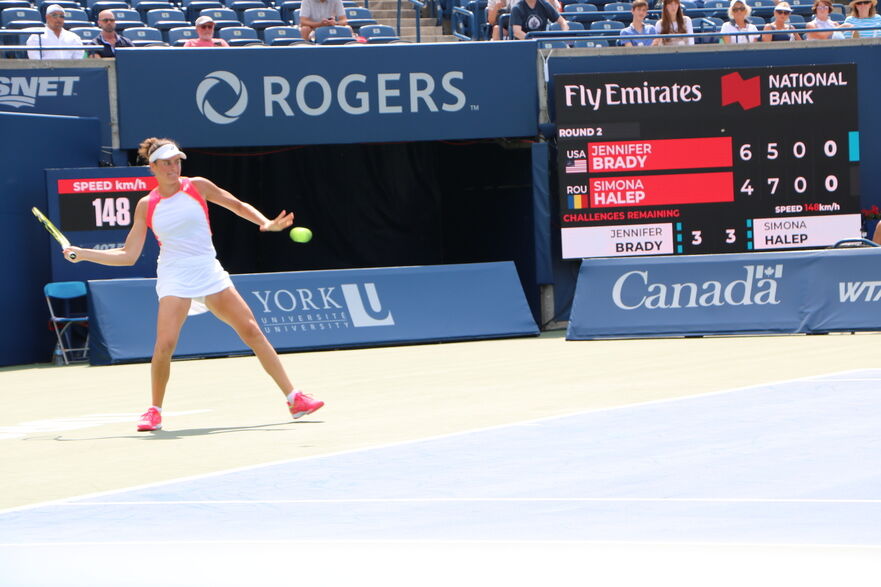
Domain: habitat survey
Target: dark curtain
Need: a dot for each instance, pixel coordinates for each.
(379, 205)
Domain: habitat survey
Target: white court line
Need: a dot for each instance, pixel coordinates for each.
(773, 500)
(427, 439)
(411, 542)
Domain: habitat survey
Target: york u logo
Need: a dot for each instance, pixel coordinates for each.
(369, 314)
(746, 92)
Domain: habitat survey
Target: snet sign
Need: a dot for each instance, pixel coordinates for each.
(19, 91)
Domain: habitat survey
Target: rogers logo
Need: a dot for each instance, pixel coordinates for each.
(235, 84)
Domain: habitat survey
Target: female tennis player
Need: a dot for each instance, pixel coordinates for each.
(188, 272)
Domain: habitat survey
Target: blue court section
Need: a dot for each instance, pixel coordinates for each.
(793, 463)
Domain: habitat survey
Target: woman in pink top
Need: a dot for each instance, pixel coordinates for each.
(188, 272)
(205, 30)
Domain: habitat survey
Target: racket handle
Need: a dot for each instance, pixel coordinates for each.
(71, 255)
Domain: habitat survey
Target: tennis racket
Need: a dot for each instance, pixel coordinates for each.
(62, 240)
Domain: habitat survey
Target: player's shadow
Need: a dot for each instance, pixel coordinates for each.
(176, 434)
(172, 434)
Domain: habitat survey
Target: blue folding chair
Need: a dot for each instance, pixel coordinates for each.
(68, 312)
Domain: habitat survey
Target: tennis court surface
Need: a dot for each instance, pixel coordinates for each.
(771, 482)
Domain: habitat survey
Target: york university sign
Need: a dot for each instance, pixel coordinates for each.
(351, 305)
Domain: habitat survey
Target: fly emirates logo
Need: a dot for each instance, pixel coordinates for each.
(582, 96)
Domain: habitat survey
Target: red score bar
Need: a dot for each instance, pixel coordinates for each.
(660, 154)
(661, 190)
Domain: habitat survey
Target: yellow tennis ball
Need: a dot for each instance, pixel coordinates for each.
(301, 234)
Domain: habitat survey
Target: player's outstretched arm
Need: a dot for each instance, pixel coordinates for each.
(221, 197)
(125, 255)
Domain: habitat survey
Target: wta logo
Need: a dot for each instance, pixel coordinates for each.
(239, 91)
(746, 92)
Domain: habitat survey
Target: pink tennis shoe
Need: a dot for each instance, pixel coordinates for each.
(151, 420)
(303, 405)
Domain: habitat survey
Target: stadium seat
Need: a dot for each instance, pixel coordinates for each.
(19, 18)
(607, 25)
(239, 36)
(583, 13)
(4, 4)
(166, 19)
(179, 35)
(144, 37)
(261, 18)
(593, 43)
(378, 33)
(76, 17)
(67, 314)
(358, 17)
(282, 35)
(837, 17)
(333, 35)
(240, 6)
(552, 44)
(193, 8)
(802, 7)
(756, 20)
(126, 18)
(764, 8)
(97, 7)
(222, 17)
(42, 5)
(86, 33)
(619, 11)
(573, 26)
(796, 19)
(145, 6)
(287, 7)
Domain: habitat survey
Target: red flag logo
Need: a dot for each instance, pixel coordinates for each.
(746, 92)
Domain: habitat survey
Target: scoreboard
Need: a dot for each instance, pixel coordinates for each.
(707, 161)
(94, 208)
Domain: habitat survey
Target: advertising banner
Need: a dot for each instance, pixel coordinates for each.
(71, 91)
(296, 96)
(94, 208)
(789, 292)
(323, 309)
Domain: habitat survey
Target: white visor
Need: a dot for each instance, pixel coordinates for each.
(167, 151)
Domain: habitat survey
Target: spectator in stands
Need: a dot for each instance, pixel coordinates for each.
(822, 27)
(108, 40)
(639, 9)
(738, 12)
(495, 9)
(861, 13)
(205, 30)
(674, 22)
(315, 14)
(534, 15)
(189, 276)
(55, 36)
(775, 30)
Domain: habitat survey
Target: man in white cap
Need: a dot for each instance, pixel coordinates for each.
(55, 36)
(205, 30)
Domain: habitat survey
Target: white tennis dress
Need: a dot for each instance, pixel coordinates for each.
(188, 265)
